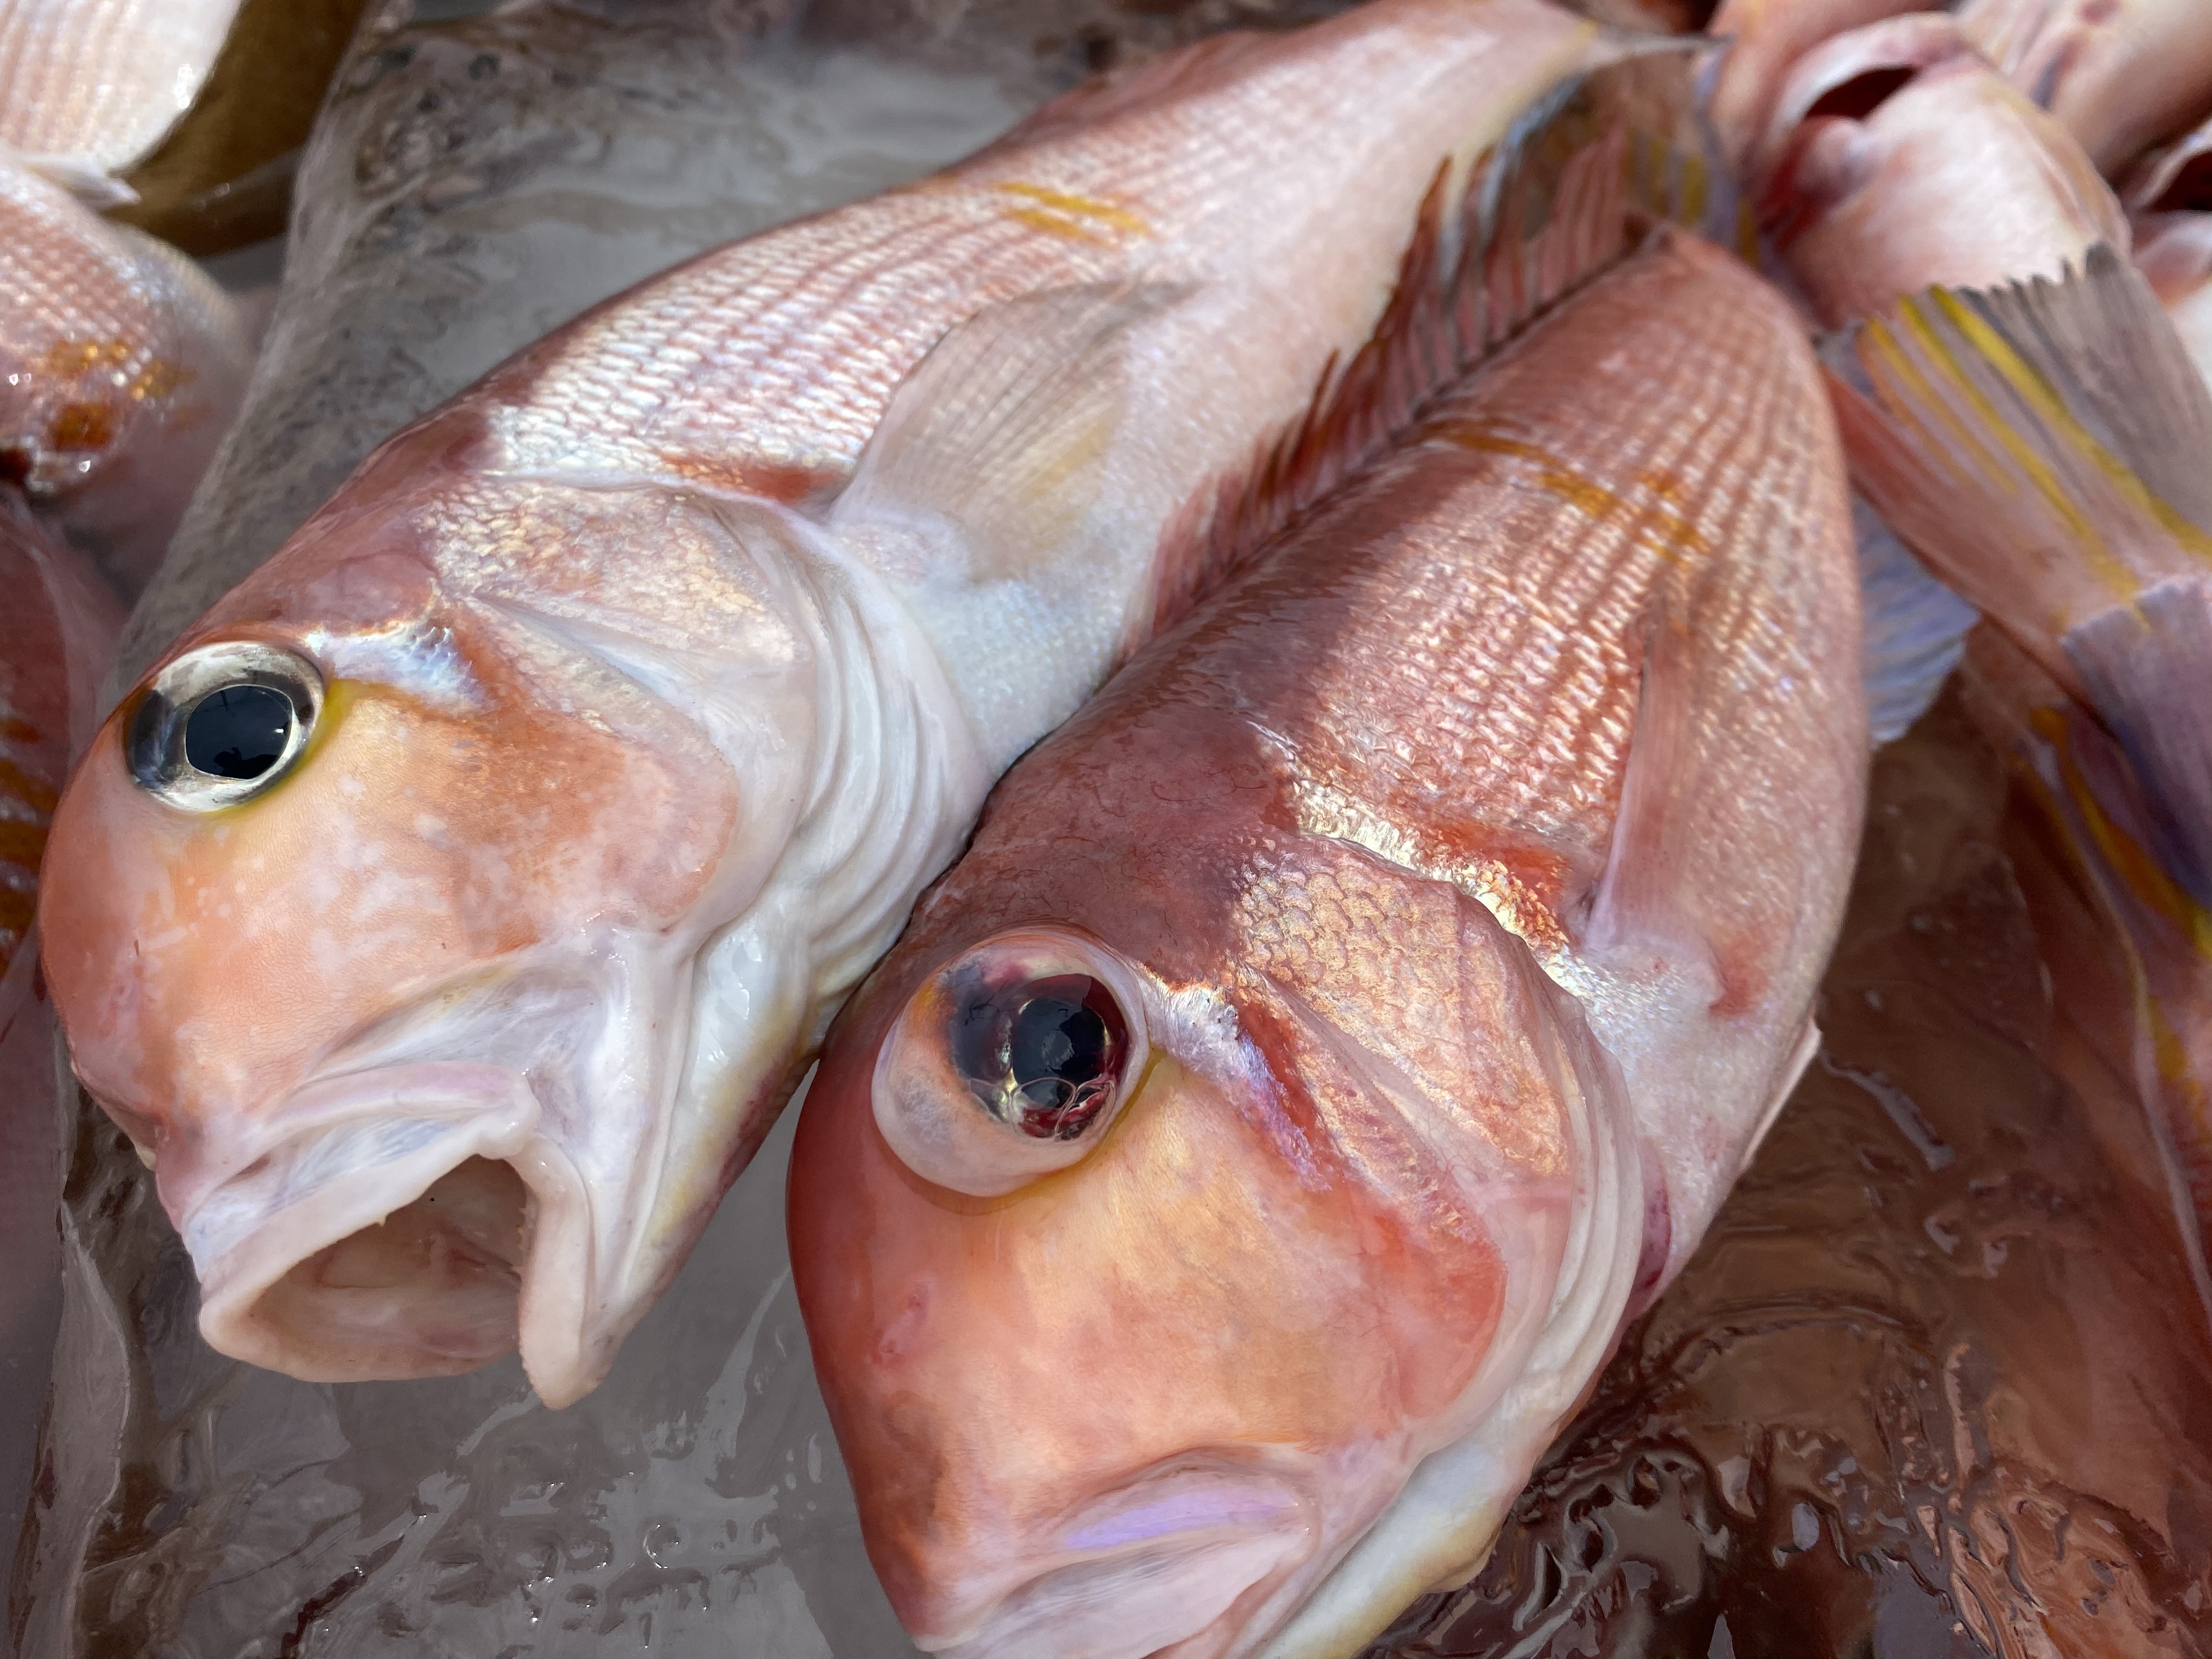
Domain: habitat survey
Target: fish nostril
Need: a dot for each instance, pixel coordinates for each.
(1863, 94)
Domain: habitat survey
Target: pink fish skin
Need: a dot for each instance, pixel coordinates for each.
(618, 711)
(1896, 157)
(121, 365)
(1408, 1030)
(2119, 75)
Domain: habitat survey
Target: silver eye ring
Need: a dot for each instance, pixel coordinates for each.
(220, 724)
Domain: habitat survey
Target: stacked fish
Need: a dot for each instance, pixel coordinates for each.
(1271, 675)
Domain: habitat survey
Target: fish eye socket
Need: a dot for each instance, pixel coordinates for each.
(222, 724)
(1011, 1061)
(1044, 1055)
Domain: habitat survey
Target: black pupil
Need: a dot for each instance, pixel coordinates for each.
(1044, 1055)
(238, 732)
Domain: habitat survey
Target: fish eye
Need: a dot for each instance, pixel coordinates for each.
(1010, 1061)
(222, 724)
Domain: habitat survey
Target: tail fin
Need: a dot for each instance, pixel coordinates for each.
(2045, 447)
(1570, 191)
(2106, 830)
(2041, 446)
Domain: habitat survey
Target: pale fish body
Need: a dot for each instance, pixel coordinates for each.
(1934, 168)
(1210, 1209)
(87, 87)
(121, 365)
(611, 717)
(2120, 74)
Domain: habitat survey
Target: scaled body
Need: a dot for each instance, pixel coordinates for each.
(1455, 884)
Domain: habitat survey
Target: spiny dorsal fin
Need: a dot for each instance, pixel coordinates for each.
(1570, 191)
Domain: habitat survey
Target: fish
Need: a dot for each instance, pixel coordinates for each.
(1897, 157)
(87, 88)
(1209, 1212)
(2168, 198)
(121, 366)
(451, 910)
(58, 631)
(2120, 74)
(1873, 1415)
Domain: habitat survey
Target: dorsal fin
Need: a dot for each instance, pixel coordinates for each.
(1570, 191)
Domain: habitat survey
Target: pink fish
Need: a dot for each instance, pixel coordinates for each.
(1209, 1212)
(1897, 157)
(451, 912)
(121, 365)
(2119, 75)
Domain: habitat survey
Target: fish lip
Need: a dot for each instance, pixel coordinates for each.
(1194, 1521)
(249, 1223)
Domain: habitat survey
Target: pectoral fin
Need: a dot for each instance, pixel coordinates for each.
(1002, 429)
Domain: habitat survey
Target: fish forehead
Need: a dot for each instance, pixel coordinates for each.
(805, 332)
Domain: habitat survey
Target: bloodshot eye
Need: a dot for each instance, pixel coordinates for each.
(221, 724)
(1011, 1061)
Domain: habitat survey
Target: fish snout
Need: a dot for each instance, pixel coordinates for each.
(1177, 1559)
(405, 1221)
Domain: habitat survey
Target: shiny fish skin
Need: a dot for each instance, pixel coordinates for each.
(636, 753)
(121, 365)
(87, 87)
(2120, 74)
(1457, 1033)
(1954, 176)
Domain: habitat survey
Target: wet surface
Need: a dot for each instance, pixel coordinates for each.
(1940, 1381)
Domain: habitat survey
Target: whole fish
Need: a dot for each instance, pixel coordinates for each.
(121, 365)
(451, 912)
(1210, 1211)
(2120, 74)
(87, 87)
(1896, 157)
(1929, 1387)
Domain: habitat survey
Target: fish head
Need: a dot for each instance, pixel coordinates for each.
(1153, 1226)
(376, 908)
(1897, 158)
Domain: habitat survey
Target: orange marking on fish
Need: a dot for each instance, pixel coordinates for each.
(15, 729)
(22, 842)
(158, 378)
(1083, 218)
(81, 426)
(1667, 533)
(83, 356)
(34, 792)
(790, 483)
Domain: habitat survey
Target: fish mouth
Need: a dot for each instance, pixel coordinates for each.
(1154, 1566)
(413, 1221)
